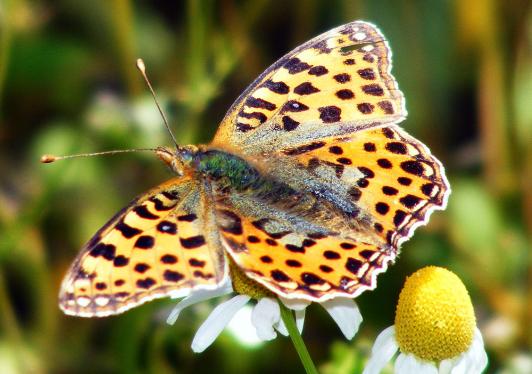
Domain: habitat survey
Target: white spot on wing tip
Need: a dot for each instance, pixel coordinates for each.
(83, 301)
(101, 300)
(360, 36)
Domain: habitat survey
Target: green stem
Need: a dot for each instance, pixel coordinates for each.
(297, 340)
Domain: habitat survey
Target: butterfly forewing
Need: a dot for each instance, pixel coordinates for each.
(163, 244)
(337, 83)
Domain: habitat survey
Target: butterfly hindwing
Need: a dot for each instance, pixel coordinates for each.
(160, 245)
(337, 83)
(295, 257)
(389, 178)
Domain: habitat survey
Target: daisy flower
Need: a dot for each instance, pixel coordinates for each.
(435, 329)
(266, 314)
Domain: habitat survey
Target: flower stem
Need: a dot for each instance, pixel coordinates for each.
(297, 340)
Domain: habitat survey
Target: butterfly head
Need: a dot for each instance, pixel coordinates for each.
(179, 160)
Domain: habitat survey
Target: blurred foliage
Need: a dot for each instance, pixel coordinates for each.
(68, 84)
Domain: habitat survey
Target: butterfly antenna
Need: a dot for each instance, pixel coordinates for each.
(142, 69)
(47, 159)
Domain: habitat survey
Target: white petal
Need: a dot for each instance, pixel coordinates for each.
(400, 364)
(408, 363)
(295, 304)
(281, 327)
(480, 356)
(447, 365)
(460, 365)
(382, 352)
(426, 367)
(300, 319)
(475, 359)
(216, 322)
(196, 297)
(346, 315)
(264, 316)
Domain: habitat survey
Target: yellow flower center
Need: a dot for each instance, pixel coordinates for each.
(244, 285)
(434, 319)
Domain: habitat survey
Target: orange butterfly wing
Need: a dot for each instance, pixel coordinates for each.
(336, 83)
(163, 244)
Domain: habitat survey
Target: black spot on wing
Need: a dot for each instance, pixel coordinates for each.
(305, 88)
(260, 103)
(384, 163)
(145, 283)
(187, 218)
(159, 205)
(141, 268)
(330, 114)
(370, 147)
(345, 94)
(244, 127)
(368, 74)
(120, 261)
(293, 106)
(396, 147)
(353, 265)
(331, 255)
(373, 89)
(261, 117)
(168, 259)
(399, 217)
(289, 124)
(145, 242)
(342, 78)
(107, 251)
(304, 148)
(404, 181)
(126, 230)
(143, 212)
(386, 106)
(192, 242)
(172, 276)
(196, 263)
(277, 87)
(409, 201)
(365, 108)
(280, 276)
(413, 167)
(318, 70)
(311, 279)
(167, 227)
(295, 65)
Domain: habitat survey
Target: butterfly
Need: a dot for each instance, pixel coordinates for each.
(309, 187)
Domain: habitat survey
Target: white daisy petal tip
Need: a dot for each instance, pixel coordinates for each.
(216, 322)
(197, 297)
(383, 350)
(266, 314)
(300, 320)
(281, 328)
(346, 314)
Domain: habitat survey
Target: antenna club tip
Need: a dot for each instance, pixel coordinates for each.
(140, 65)
(47, 159)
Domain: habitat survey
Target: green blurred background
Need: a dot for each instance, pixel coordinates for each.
(68, 84)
